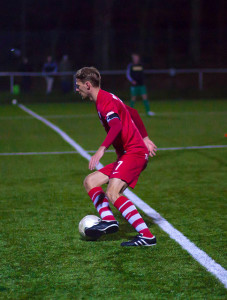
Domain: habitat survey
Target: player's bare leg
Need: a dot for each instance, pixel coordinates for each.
(130, 213)
(147, 105)
(115, 189)
(95, 179)
(92, 184)
(133, 101)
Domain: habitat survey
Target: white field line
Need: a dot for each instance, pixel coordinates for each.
(199, 255)
(49, 116)
(38, 153)
(111, 151)
(193, 147)
(82, 116)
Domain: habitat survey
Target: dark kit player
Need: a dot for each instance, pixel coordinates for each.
(125, 130)
(135, 74)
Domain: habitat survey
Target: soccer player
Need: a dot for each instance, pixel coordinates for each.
(49, 68)
(135, 75)
(126, 132)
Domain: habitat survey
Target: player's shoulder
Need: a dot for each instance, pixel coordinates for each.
(104, 93)
(104, 100)
(108, 95)
(104, 96)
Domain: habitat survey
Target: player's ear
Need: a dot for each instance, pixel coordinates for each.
(88, 85)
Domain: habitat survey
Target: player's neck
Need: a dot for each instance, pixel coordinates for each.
(94, 94)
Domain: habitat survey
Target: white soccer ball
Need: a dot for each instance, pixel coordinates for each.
(88, 222)
(14, 101)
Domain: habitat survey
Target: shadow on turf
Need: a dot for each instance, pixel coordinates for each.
(125, 232)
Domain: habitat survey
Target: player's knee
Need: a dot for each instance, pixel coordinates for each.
(89, 182)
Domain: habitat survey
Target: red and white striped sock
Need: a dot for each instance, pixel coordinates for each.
(131, 214)
(101, 203)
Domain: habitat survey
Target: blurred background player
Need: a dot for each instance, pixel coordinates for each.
(25, 66)
(65, 66)
(49, 68)
(135, 74)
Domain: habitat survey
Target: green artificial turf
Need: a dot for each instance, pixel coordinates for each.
(42, 200)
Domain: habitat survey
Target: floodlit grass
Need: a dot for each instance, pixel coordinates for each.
(42, 201)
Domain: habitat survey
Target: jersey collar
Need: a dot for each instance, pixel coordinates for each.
(98, 96)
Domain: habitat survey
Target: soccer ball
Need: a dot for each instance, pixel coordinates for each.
(88, 222)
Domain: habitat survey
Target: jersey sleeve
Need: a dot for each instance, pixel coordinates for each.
(107, 107)
(115, 128)
(138, 121)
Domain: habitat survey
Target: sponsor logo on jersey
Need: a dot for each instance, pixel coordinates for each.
(137, 68)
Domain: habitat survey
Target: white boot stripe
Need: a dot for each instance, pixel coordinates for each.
(144, 242)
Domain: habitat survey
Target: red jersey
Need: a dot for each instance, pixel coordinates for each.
(129, 140)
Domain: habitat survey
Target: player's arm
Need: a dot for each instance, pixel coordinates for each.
(128, 75)
(138, 121)
(114, 122)
(55, 67)
(142, 129)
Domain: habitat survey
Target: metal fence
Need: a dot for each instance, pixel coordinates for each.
(169, 72)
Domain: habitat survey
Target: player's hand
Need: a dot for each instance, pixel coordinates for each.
(152, 148)
(96, 157)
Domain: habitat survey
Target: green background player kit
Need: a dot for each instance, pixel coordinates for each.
(138, 90)
(135, 72)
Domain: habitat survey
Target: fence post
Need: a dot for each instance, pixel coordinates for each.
(11, 83)
(200, 80)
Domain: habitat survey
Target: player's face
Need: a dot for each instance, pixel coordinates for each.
(49, 59)
(135, 59)
(82, 89)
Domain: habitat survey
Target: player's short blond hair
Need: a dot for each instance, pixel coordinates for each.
(90, 74)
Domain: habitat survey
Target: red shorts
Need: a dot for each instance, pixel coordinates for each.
(127, 168)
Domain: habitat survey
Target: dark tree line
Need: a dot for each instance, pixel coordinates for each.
(178, 33)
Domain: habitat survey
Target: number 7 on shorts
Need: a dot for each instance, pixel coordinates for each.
(119, 163)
